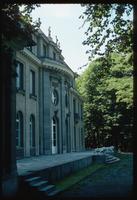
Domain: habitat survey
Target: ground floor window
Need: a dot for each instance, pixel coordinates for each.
(32, 131)
(54, 134)
(19, 129)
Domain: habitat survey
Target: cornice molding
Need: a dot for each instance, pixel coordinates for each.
(54, 65)
(31, 56)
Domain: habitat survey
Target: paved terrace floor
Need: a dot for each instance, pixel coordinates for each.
(27, 165)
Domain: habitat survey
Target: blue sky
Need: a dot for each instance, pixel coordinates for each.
(65, 23)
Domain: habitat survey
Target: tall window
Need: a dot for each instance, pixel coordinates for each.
(32, 131)
(19, 129)
(74, 105)
(32, 82)
(19, 78)
(66, 98)
(54, 56)
(44, 51)
(54, 124)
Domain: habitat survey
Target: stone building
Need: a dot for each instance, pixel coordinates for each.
(48, 107)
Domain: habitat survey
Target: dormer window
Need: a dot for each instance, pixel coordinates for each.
(54, 56)
(44, 51)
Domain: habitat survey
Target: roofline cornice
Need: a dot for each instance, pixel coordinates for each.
(31, 56)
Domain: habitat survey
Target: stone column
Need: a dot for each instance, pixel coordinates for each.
(41, 109)
(63, 115)
(72, 124)
(47, 113)
(60, 137)
(69, 121)
(27, 112)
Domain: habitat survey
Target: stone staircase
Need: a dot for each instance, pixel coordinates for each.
(111, 159)
(42, 186)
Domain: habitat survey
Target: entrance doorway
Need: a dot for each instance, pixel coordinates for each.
(54, 135)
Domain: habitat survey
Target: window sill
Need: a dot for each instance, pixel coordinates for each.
(33, 96)
(20, 91)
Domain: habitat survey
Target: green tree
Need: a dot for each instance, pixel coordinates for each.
(17, 25)
(109, 25)
(107, 87)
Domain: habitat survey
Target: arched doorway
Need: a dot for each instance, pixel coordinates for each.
(54, 135)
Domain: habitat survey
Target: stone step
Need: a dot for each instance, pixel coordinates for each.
(47, 189)
(55, 192)
(108, 159)
(112, 161)
(110, 156)
(33, 179)
(39, 184)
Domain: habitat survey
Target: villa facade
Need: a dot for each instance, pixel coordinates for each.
(48, 108)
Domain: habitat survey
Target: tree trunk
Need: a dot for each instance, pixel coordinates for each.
(8, 169)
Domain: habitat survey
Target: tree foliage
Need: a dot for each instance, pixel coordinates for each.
(17, 24)
(107, 87)
(109, 25)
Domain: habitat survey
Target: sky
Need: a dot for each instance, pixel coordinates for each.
(65, 24)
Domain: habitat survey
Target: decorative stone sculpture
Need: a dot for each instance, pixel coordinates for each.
(49, 32)
(105, 150)
(56, 40)
(59, 45)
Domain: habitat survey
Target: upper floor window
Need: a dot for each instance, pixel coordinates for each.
(66, 99)
(44, 51)
(32, 82)
(19, 78)
(74, 105)
(19, 129)
(54, 56)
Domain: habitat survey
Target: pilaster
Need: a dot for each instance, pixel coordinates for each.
(63, 115)
(47, 113)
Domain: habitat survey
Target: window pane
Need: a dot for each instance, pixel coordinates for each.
(32, 131)
(21, 76)
(17, 78)
(32, 82)
(19, 129)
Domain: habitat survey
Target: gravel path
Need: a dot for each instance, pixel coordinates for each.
(115, 180)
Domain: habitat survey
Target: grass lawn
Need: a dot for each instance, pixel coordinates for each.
(125, 161)
(76, 177)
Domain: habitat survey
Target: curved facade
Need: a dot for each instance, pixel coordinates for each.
(49, 104)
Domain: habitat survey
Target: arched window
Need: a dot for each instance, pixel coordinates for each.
(32, 131)
(54, 135)
(19, 129)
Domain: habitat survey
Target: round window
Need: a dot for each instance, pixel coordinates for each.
(55, 97)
